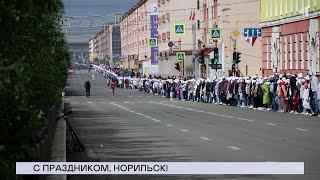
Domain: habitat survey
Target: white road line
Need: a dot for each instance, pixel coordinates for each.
(301, 129)
(212, 113)
(112, 102)
(89, 102)
(184, 130)
(245, 119)
(205, 138)
(102, 102)
(234, 148)
(225, 116)
(156, 120)
(140, 114)
(271, 124)
(126, 102)
(179, 107)
(170, 125)
(148, 117)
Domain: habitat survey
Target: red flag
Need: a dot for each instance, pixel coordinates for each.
(253, 40)
(194, 15)
(248, 39)
(190, 17)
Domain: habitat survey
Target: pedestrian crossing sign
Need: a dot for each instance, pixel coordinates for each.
(179, 29)
(215, 33)
(180, 56)
(153, 42)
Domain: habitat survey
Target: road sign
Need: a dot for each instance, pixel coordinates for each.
(176, 46)
(153, 42)
(170, 44)
(180, 56)
(179, 29)
(235, 33)
(216, 66)
(252, 32)
(215, 33)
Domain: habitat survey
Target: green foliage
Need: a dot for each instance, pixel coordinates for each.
(33, 63)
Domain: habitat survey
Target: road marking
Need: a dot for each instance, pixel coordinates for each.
(148, 117)
(112, 102)
(301, 129)
(271, 124)
(225, 116)
(184, 130)
(212, 113)
(89, 102)
(245, 119)
(140, 114)
(234, 148)
(156, 120)
(170, 125)
(205, 138)
(102, 102)
(198, 110)
(179, 107)
(126, 102)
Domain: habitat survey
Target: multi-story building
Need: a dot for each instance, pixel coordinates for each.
(171, 13)
(290, 36)
(135, 32)
(229, 15)
(106, 45)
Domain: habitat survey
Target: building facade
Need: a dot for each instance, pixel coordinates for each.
(171, 13)
(106, 45)
(229, 15)
(290, 36)
(135, 31)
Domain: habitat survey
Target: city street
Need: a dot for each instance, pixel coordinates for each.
(137, 126)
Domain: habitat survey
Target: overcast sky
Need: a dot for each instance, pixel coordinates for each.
(96, 7)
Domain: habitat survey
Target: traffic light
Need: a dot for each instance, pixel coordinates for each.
(201, 57)
(216, 55)
(177, 66)
(236, 58)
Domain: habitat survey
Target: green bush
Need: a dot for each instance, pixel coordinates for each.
(33, 63)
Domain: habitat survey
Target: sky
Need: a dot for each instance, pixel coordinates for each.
(96, 7)
(92, 8)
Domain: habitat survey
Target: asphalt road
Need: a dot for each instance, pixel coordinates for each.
(136, 126)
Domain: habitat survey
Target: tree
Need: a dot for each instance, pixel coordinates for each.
(33, 63)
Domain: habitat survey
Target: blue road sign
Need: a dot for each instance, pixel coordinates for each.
(252, 32)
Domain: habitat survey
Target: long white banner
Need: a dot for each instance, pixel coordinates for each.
(38, 168)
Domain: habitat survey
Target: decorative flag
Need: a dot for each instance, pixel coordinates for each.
(192, 15)
(253, 40)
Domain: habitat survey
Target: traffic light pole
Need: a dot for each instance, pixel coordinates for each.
(183, 68)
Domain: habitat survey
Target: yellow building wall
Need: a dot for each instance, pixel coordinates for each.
(282, 8)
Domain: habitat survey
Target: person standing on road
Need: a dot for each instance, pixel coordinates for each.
(313, 94)
(87, 86)
(113, 86)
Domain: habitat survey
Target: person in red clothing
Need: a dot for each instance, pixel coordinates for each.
(113, 86)
(283, 94)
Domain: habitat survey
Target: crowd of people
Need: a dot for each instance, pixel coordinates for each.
(281, 92)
